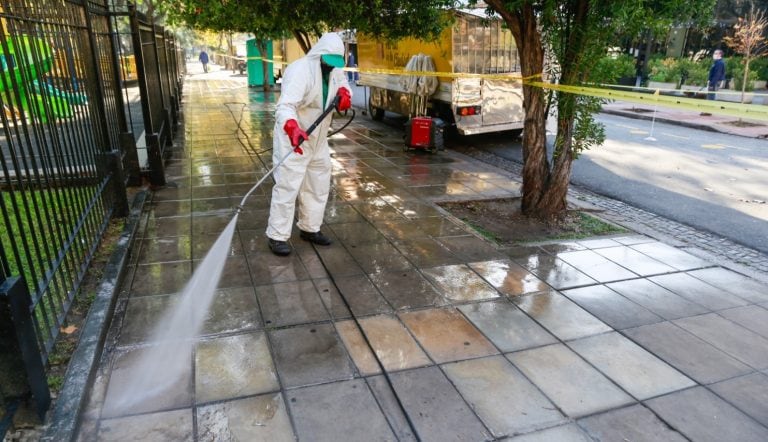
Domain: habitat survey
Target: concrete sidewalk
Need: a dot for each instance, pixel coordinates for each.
(610, 338)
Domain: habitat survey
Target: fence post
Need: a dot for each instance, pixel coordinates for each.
(109, 163)
(157, 168)
(21, 366)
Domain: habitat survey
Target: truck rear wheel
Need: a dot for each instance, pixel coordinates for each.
(377, 113)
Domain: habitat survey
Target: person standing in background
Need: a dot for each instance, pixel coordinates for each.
(716, 74)
(203, 57)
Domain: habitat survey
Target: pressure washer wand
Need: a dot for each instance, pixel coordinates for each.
(310, 129)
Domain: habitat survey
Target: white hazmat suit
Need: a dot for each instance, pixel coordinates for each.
(306, 176)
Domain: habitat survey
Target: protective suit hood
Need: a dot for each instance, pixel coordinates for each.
(329, 43)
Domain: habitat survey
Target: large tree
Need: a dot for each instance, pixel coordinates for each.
(567, 37)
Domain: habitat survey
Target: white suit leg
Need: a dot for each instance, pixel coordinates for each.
(288, 181)
(314, 190)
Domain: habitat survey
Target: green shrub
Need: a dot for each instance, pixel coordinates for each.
(663, 70)
(695, 73)
(760, 66)
(610, 68)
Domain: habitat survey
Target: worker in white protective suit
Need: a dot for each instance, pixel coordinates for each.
(309, 86)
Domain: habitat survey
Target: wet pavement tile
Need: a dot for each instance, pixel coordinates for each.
(635, 261)
(389, 405)
(394, 346)
(377, 209)
(657, 299)
(554, 272)
(596, 266)
(312, 262)
(165, 209)
(233, 310)
(377, 257)
(737, 341)
(611, 308)
(426, 252)
(508, 277)
(235, 273)
(331, 298)
(507, 326)
(733, 282)
(638, 372)
(310, 354)
(357, 348)
(458, 283)
(572, 384)
(121, 400)
(501, 396)
(753, 317)
(446, 335)
(419, 227)
(635, 423)
(471, 248)
(341, 213)
(357, 233)
(692, 356)
(141, 317)
(560, 316)
(631, 240)
(406, 289)
(363, 297)
(210, 224)
(164, 249)
(220, 364)
(562, 247)
(563, 433)
(415, 209)
(435, 407)
(698, 291)
(162, 227)
(701, 416)
(171, 193)
(200, 192)
(173, 425)
(254, 220)
(598, 243)
(338, 411)
(160, 278)
(747, 393)
(338, 261)
(266, 268)
(202, 244)
(213, 206)
(671, 256)
(290, 303)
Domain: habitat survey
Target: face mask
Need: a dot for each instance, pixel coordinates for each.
(326, 68)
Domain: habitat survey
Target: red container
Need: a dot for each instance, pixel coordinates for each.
(420, 135)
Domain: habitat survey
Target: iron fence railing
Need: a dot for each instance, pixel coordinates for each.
(67, 151)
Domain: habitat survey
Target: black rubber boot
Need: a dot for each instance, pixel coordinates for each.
(279, 248)
(315, 238)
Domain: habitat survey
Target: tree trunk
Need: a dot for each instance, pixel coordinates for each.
(262, 46)
(303, 39)
(746, 75)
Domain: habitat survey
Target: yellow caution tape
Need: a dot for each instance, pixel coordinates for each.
(657, 97)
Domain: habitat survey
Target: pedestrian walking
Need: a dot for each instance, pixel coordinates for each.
(309, 85)
(716, 74)
(203, 57)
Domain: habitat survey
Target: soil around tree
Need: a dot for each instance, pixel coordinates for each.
(502, 221)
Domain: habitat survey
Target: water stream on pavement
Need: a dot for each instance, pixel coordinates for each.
(160, 367)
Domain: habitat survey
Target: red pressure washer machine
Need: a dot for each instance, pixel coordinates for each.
(424, 133)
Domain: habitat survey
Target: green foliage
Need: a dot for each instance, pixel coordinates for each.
(663, 70)
(695, 73)
(737, 74)
(610, 68)
(760, 66)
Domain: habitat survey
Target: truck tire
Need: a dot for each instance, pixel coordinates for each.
(377, 113)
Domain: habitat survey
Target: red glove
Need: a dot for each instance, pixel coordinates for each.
(295, 134)
(345, 99)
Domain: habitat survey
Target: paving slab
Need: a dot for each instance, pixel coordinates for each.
(173, 425)
(701, 416)
(262, 418)
(394, 346)
(508, 277)
(501, 396)
(310, 354)
(357, 233)
(737, 341)
(563, 433)
(733, 282)
(426, 252)
(560, 316)
(164, 249)
(752, 317)
(379, 257)
(392, 411)
(161, 278)
(337, 411)
(362, 295)
(290, 303)
(437, 410)
(611, 308)
(635, 423)
(220, 364)
(507, 326)
(407, 289)
(747, 393)
(553, 271)
(572, 384)
(459, 283)
(331, 298)
(698, 291)
(637, 371)
(635, 261)
(446, 335)
(266, 268)
(471, 248)
(596, 266)
(357, 348)
(657, 299)
(670, 256)
(598, 243)
(693, 356)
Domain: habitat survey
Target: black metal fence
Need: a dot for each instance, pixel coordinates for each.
(67, 152)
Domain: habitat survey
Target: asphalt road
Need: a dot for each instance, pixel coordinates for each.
(710, 181)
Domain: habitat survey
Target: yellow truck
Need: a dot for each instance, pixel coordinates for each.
(472, 45)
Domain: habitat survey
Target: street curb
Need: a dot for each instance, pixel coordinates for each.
(687, 124)
(65, 420)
